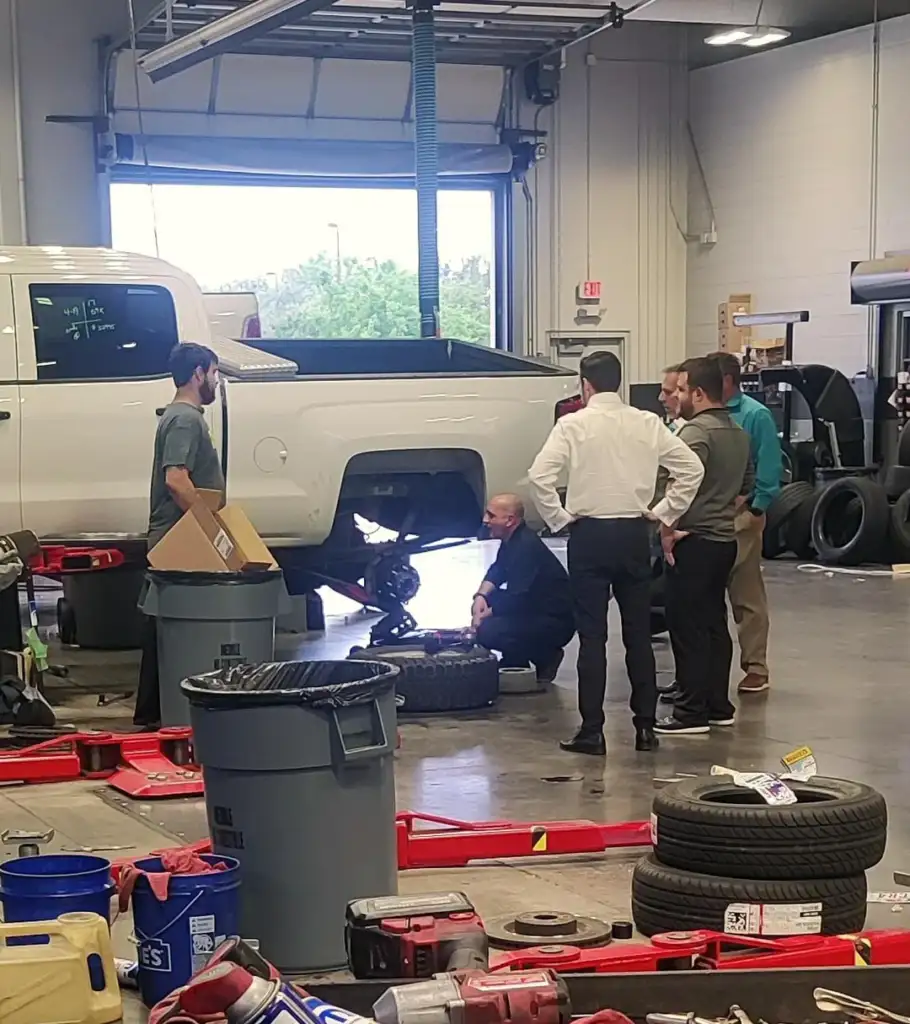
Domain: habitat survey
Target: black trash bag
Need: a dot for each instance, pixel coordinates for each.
(318, 684)
(18, 706)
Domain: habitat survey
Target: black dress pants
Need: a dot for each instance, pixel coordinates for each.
(696, 601)
(148, 697)
(612, 557)
(524, 640)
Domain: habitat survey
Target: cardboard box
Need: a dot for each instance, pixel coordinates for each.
(734, 339)
(208, 539)
(734, 304)
(765, 352)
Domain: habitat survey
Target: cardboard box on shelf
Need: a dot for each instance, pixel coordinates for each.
(733, 339)
(764, 352)
(734, 304)
(212, 539)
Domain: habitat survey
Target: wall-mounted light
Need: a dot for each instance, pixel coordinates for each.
(751, 37)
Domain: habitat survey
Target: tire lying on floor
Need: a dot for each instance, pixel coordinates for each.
(789, 499)
(665, 899)
(898, 531)
(850, 523)
(835, 830)
(456, 679)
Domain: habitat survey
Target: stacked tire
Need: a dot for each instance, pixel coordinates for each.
(843, 522)
(725, 860)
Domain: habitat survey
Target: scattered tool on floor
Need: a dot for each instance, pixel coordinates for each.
(474, 997)
(706, 950)
(433, 841)
(414, 936)
(547, 926)
(142, 765)
(29, 843)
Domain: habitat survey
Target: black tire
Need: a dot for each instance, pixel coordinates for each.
(665, 899)
(844, 539)
(836, 830)
(789, 499)
(903, 446)
(899, 529)
(896, 480)
(66, 622)
(798, 529)
(456, 679)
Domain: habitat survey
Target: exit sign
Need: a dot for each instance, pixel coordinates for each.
(589, 291)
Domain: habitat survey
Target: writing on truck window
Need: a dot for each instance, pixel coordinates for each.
(91, 331)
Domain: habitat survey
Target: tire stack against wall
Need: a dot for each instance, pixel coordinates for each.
(725, 860)
(850, 521)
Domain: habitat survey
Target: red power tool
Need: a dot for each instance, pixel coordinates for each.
(474, 997)
(414, 936)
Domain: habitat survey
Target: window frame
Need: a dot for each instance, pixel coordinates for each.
(499, 185)
(29, 357)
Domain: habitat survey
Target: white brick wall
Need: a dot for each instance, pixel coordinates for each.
(785, 138)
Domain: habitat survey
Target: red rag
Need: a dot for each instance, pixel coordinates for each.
(605, 1017)
(173, 862)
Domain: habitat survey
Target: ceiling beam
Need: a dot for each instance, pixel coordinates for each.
(247, 23)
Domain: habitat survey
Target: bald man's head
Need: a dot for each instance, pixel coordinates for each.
(503, 515)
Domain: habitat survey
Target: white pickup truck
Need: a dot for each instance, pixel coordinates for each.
(410, 434)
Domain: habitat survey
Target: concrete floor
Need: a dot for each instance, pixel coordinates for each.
(840, 647)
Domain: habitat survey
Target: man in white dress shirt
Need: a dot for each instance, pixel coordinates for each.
(611, 454)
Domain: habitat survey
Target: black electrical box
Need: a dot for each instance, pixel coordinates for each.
(542, 81)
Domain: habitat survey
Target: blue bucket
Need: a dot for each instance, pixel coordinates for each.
(44, 887)
(177, 937)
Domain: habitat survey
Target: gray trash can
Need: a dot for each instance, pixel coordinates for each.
(209, 621)
(300, 788)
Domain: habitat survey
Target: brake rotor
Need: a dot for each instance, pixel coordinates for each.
(546, 927)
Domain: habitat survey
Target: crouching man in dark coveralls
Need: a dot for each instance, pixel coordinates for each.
(523, 607)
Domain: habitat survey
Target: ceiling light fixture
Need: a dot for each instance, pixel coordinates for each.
(728, 37)
(766, 36)
(751, 37)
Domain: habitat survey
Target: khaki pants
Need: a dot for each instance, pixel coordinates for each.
(747, 595)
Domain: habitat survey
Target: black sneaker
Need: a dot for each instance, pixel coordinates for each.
(722, 721)
(581, 743)
(673, 727)
(546, 670)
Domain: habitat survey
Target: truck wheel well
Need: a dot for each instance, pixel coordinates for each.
(439, 491)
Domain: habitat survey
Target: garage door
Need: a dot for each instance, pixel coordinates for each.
(303, 116)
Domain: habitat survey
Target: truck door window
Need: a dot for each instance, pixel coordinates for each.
(102, 331)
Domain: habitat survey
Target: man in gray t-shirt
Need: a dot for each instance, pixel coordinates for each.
(185, 462)
(182, 443)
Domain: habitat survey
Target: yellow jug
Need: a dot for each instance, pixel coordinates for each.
(70, 979)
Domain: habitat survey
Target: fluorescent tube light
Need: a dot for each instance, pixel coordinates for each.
(252, 21)
(799, 316)
(728, 37)
(752, 37)
(766, 36)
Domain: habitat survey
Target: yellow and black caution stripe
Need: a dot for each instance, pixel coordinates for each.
(538, 839)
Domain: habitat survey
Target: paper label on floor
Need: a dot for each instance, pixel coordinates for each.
(202, 924)
(773, 919)
(653, 829)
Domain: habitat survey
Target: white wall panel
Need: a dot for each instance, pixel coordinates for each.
(617, 163)
(786, 141)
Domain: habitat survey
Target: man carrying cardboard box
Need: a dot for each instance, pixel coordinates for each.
(185, 464)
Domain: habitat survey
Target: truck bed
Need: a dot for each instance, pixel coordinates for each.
(359, 357)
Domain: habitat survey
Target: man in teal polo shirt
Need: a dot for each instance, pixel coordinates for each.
(746, 586)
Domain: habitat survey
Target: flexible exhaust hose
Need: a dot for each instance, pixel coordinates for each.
(426, 149)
